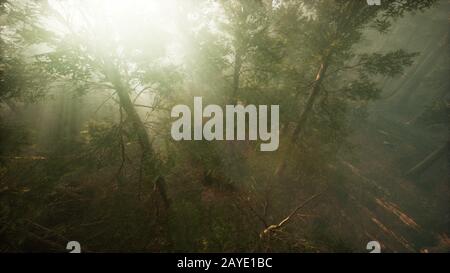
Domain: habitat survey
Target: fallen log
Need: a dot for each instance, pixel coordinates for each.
(427, 162)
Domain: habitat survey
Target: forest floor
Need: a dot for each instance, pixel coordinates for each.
(368, 198)
(403, 214)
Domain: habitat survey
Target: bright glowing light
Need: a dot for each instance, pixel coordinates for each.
(116, 12)
(103, 22)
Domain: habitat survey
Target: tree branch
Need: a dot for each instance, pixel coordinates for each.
(273, 228)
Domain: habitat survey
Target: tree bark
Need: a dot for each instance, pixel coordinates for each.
(315, 90)
(149, 163)
(304, 115)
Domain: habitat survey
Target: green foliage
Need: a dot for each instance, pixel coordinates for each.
(102, 142)
(251, 52)
(361, 91)
(390, 64)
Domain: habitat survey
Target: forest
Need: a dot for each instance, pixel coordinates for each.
(88, 92)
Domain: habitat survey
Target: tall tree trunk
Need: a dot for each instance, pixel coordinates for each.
(149, 162)
(304, 115)
(315, 90)
(138, 125)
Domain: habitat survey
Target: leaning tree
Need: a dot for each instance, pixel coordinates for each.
(91, 48)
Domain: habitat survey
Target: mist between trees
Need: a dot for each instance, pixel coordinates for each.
(88, 88)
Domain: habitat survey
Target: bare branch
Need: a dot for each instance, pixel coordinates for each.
(273, 228)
